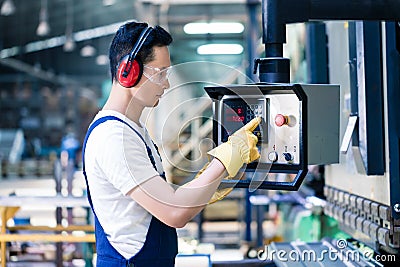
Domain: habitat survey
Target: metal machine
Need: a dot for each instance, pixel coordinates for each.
(362, 191)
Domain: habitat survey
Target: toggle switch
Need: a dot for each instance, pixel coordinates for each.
(281, 120)
(288, 157)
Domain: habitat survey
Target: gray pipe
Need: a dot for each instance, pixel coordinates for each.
(277, 13)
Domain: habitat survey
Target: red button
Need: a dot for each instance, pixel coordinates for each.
(280, 120)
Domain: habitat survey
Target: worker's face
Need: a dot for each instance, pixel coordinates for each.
(154, 80)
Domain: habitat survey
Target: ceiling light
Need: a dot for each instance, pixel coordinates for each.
(69, 44)
(102, 60)
(88, 51)
(108, 2)
(220, 49)
(7, 8)
(213, 27)
(43, 29)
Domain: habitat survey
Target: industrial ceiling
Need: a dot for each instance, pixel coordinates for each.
(26, 56)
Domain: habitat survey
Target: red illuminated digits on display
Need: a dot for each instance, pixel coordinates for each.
(235, 119)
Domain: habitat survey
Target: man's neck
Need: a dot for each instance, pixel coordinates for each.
(121, 102)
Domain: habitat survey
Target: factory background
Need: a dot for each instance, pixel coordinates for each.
(54, 78)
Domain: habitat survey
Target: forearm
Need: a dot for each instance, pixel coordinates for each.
(177, 207)
(199, 191)
(195, 195)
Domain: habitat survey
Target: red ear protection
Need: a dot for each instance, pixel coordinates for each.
(130, 70)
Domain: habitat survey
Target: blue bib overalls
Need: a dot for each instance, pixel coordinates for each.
(160, 247)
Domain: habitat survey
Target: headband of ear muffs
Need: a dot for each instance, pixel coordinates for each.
(130, 69)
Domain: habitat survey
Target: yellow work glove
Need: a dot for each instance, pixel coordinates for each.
(241, 138)
(239, 149)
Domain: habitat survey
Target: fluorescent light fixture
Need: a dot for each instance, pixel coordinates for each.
(220, 49)
(213, 27)
(48, 43)
(7, 8)
(108, 2)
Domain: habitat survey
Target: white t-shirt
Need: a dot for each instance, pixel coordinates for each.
(116, 161)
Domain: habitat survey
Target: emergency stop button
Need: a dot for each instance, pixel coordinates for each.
(281, 120)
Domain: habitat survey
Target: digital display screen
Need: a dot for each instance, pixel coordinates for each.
(234, 115)
(236, 112)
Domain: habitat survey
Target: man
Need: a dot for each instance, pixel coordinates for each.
(136, 210)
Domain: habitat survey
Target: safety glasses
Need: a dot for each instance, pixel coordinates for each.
(156, 75)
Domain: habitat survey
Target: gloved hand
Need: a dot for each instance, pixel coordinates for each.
(243, 143)
(239, 149)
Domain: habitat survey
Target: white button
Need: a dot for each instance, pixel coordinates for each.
(273, 156)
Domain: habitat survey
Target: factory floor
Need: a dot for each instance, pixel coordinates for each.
(31, 264)
(222, 240)
(218, 258)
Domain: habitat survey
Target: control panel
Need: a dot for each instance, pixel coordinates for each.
(278, 139)
(300, 125)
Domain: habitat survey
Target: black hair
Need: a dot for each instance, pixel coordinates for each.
(126, 37)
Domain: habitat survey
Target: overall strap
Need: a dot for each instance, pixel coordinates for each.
(159, 237)
(91, 128)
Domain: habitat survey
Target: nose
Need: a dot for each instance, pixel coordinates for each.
(166, 84)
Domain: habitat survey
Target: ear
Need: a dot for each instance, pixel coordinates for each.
(129, 72)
